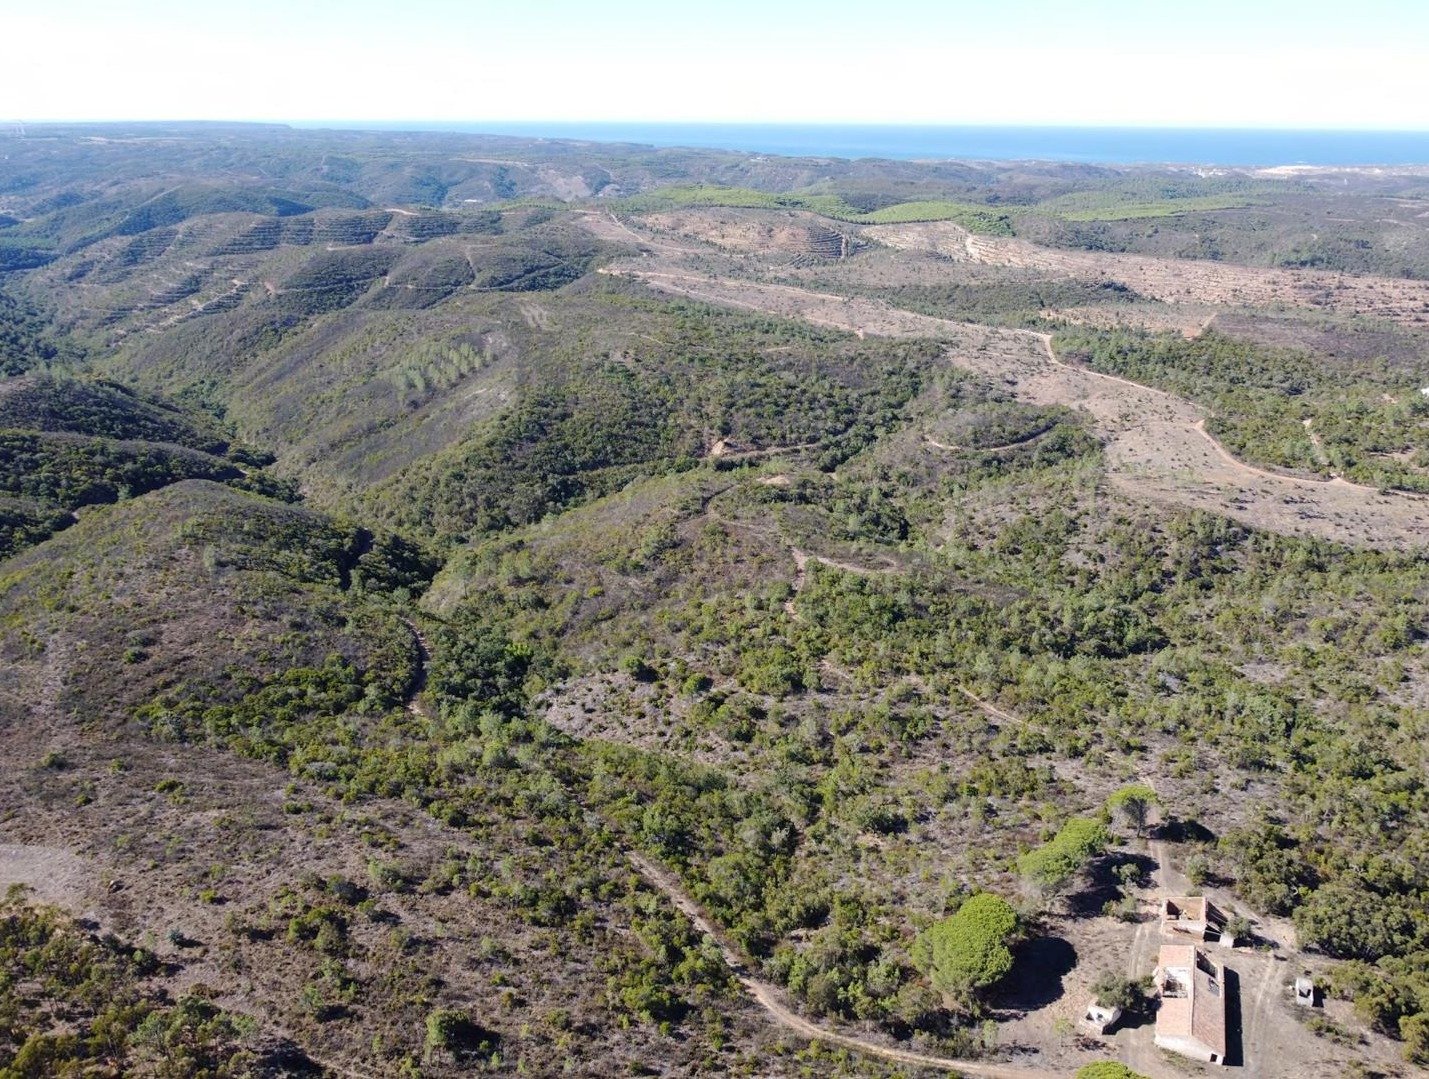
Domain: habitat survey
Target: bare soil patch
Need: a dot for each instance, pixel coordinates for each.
(52, 874)
(1157, 448)
(790, 232)
(1171, 280)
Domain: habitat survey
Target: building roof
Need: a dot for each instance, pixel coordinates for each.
(1193, 1003)
(1195, 908)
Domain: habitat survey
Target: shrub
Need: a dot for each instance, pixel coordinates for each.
(1107, 1069)
(1350, 922)
(638, 669)
(452, 1029)
(1114, 990)
(1049, 868)
(1414, 1029)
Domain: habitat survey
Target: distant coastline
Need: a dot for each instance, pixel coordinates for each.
(1213, 147)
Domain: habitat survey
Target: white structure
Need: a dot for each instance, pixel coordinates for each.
(1098, 1020)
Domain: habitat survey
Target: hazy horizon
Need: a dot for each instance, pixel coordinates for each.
(1108, 145)
(502, 126)
(1270, 65)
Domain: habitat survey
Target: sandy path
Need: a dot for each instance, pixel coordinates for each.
(721, 451)
(1317, 446)
(415, 704)
(1157, 449)
(772, 1000)
(1226, 455)
(930, 440)
(801, 578)
(1136, 1046)
(802, 559)
(990, 709)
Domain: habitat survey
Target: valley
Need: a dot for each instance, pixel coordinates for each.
(473, 604)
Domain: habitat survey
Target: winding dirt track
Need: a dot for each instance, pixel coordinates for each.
(1157, 448)
(772, 1001)
(930, 440)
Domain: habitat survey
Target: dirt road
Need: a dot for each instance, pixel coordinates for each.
(1174, 280)
(772, 1001)
(415, 704)
(1157, 448)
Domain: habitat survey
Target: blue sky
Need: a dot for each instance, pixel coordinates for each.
(1246, 64)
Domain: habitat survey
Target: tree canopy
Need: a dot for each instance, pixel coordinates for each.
(969, 950)
(1132, 803)
(1049, 868)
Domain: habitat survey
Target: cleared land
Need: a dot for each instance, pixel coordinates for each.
(1176, 280)
(1157, 447)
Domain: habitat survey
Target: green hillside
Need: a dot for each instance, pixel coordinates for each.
(974, 217)
(459, 616)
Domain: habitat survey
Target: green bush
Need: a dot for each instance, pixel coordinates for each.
(452, 1030)
(1114, 990)
(1048, 869)
(1107, 1069)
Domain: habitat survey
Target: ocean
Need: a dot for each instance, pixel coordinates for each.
(1102, 145)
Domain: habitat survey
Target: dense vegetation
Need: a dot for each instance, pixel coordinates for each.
(1007, 298)
(27, 339)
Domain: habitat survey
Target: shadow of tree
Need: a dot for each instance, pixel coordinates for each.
(1104, 884)
(1175, 830)
(1138, 1018)
(1037, 973)
(286, 1058)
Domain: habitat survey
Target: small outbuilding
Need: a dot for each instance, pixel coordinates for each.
(1305, 992)
(1191, 1018)
(1097, 1019)
(1194, 917)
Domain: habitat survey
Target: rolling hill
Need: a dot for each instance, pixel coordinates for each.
(469, 604)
